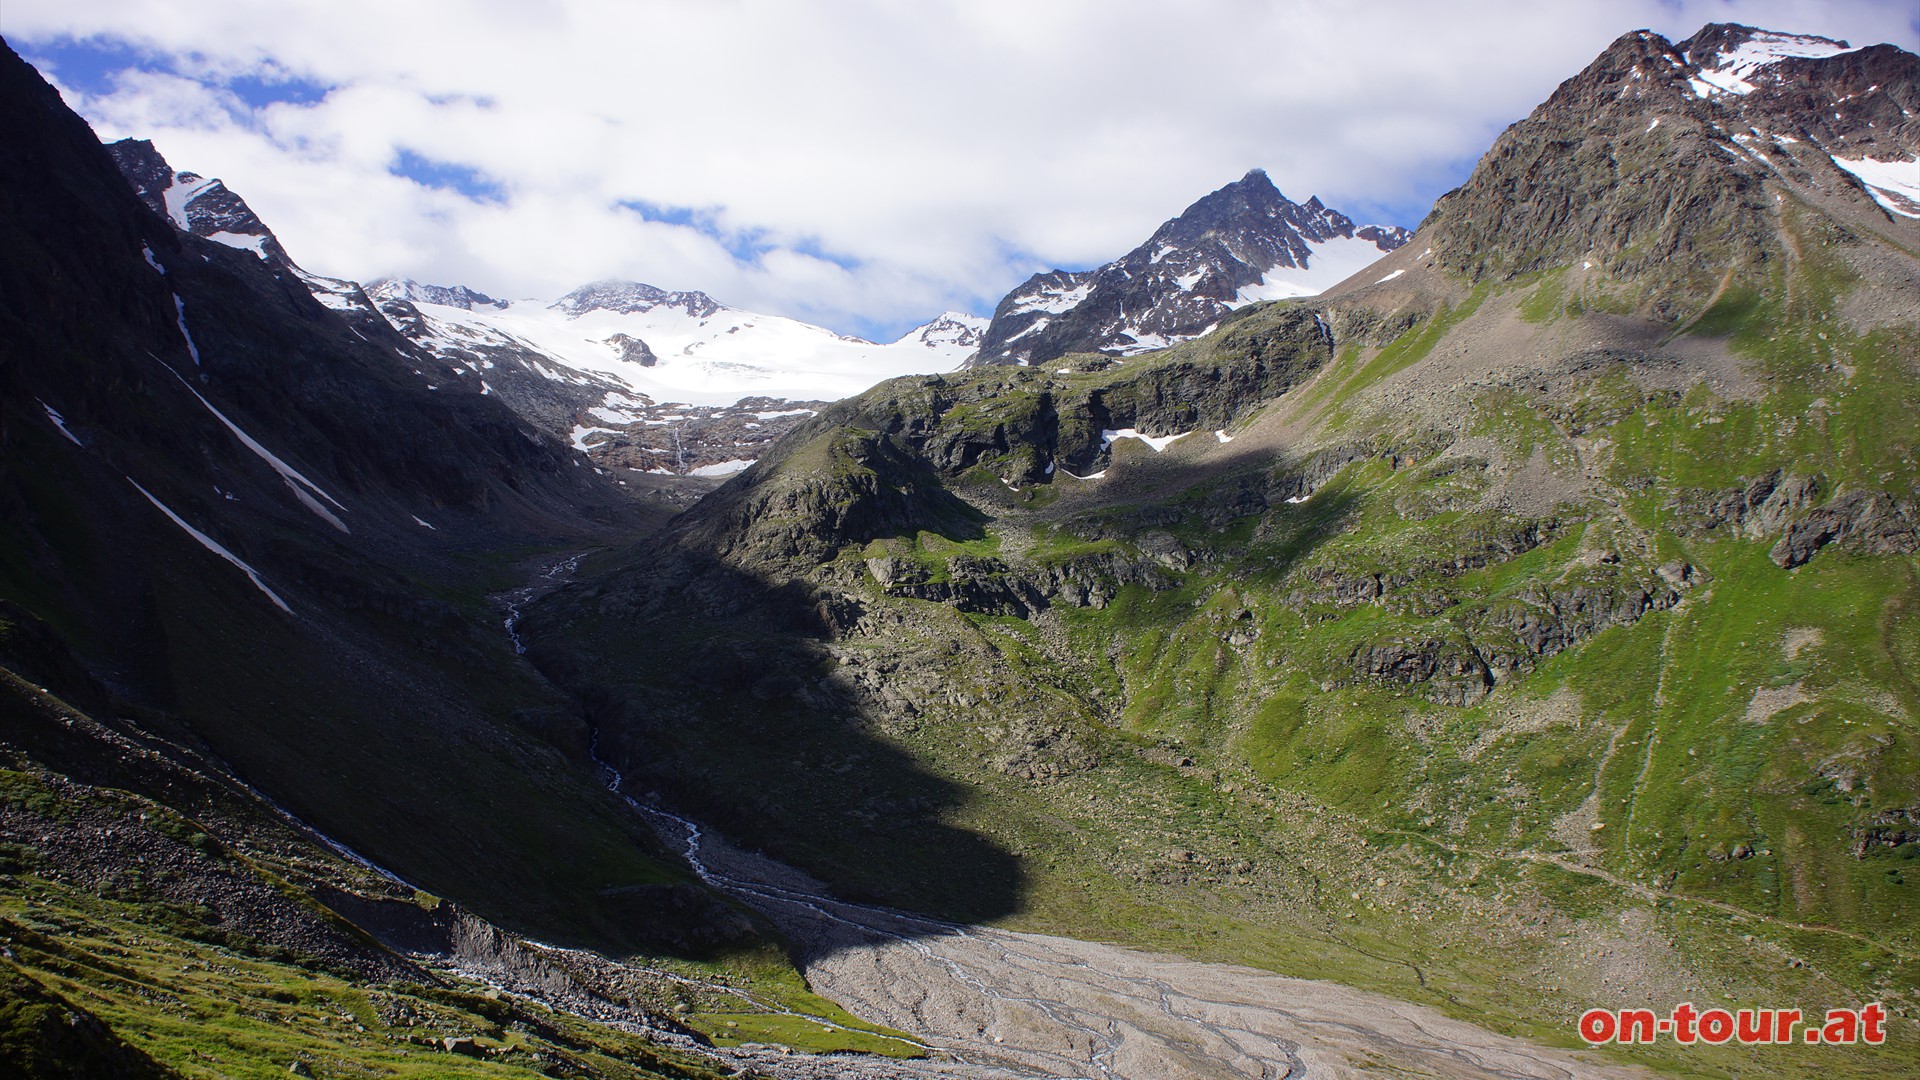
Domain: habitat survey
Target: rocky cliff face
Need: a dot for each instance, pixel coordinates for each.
(1242, 243)
(232, 519)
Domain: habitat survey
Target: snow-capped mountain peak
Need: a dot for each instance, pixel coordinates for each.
(633, 297)
(1241, 244)
(414, 292)
(950, 329)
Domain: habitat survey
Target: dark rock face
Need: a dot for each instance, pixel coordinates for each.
(1178, 284)
(1646, 168)
(1451, 671)
(1875, 89)
(1549, 618)
(1491, 642)
(153, 346)
(1887, 829)
(194, 204)
(988, 586)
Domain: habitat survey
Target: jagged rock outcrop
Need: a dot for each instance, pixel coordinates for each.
(1446, 667)
(1889, 829)
(1786, 506)
(413, 292)
(1548, 617)
(1871, 522)
(1020, 589)
(633, 350)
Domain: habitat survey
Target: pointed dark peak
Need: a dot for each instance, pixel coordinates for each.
(1248, 203)
(1638, 66)
(1215, 257)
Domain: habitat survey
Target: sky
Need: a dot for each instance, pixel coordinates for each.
(862, 164)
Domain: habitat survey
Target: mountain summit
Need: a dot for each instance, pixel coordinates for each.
(1243, 243)
(1664, 166)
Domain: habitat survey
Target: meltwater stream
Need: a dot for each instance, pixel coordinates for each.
(993, 1003)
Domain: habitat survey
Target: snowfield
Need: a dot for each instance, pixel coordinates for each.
(707, 359)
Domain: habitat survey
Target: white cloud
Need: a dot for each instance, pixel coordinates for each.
(944, 149)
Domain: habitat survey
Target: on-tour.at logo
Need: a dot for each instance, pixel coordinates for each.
(1866, 1025)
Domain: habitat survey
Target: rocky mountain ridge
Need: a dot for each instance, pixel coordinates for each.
(195, 204)
(457, 296)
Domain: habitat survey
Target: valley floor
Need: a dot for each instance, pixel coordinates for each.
(1003, 1004)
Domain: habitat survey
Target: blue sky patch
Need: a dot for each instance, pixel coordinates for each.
(745, 245)
(447, 176)
(94, 66)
